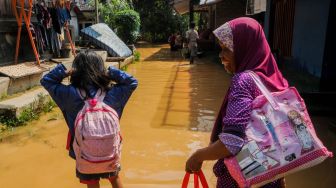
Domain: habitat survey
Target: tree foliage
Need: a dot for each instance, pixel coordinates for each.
(159, 20)
(120, 16)
(127, 25)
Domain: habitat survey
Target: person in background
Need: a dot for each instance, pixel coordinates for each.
(178, 41)
(192, 36)
(171, 41)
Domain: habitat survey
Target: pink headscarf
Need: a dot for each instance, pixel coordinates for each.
(251, 52)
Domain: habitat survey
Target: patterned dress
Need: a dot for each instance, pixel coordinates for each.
(242, 92)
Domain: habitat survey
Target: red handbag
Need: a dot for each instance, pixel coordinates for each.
(197, 175)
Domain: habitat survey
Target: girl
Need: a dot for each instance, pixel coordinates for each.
(244, 47)
(89, 78)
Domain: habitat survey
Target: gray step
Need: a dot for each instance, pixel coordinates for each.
(14, 106)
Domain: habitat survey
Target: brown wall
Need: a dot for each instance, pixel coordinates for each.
(229, 9)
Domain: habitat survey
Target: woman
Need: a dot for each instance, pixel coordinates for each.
(244, 47)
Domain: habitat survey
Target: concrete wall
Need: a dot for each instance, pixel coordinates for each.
(4, 83)
(74, 25)
(310, 24)
(229, 9)
(24, 83)
(267, 19)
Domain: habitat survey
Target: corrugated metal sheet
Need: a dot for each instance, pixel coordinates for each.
(283, 27)
(180, 6)
(208, 2)
(103, 36)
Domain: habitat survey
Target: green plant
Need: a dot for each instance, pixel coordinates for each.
(127, 25)
(2, 128)
(124, 68)
(3, 96)
(137, 56)
(49, 106)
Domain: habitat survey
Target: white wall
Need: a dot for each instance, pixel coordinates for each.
(74, 24)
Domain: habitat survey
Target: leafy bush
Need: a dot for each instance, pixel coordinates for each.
(127, 25)
(136, 56)
(109, 10)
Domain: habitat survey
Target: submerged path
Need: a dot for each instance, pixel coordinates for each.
(168, 117)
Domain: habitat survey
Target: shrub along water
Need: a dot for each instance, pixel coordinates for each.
(137, 56)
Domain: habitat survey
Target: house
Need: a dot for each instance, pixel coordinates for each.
(303, 32)
(213, 13)
(300, 33)
(216, 12)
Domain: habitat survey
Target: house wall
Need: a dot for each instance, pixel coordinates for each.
(229, 9)
(310, 25)
(74, 25)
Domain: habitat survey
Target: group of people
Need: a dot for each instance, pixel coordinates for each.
(176, 42)
(92, 107)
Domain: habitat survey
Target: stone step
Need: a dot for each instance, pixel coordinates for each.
(15, 106)
(23, 76)
(4, 83)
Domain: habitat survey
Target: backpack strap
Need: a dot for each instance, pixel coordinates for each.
(80, 93)
(100, 94)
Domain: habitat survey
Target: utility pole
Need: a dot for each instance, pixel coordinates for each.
(97, 13)
(191, 11)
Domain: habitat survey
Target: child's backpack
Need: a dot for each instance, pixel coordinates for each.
(97, 141)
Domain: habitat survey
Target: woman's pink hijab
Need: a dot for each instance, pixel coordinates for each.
(251, 52)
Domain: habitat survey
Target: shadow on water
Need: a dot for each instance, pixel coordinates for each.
(165, 54)
(194, 91)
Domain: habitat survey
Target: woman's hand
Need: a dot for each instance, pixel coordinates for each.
(194, 163)
(214, 151)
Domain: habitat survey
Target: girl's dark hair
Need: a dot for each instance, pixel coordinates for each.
(89, 70)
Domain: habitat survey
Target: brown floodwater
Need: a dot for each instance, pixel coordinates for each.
(168, 117)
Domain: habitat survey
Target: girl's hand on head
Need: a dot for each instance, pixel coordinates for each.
(69, 72)
(194, 163)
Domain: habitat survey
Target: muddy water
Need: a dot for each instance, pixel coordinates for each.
(167, 118)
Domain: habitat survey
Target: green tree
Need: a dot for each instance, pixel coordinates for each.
(127, 25)
(122, 18)
(159, 20)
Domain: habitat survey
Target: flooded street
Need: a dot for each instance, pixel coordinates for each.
(169, 116)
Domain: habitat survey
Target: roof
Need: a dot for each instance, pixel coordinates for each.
(182, 6)
(255, 6)
(102, 36)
